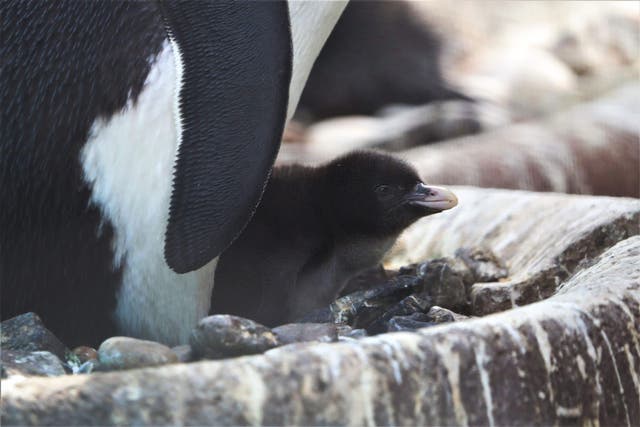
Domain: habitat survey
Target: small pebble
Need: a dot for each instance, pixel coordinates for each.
(301, 332)
(223, 335)
(84, 353)
(118, 353)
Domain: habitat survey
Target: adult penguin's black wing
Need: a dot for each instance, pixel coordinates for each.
(234, 65)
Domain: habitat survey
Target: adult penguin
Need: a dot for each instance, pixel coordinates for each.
(136, 141)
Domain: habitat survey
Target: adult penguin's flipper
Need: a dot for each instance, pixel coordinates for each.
(233, 61)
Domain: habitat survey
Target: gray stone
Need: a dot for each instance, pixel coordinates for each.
(26, 332)
(223, 335)
(301, 332)
(412, 322)
(184, 353)
(442, 315)
(118, 353)
(484, 265)
(27, 363)
(443, 284)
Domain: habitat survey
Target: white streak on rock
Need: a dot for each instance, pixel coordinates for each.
(615, 368)
(481, 362)
(451, 362)
(258, 392)
(545, 351)
(367, 395)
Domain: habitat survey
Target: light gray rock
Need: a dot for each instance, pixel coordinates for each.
(301, 332)
(118, 353)
(184, 353)
(442, 315)
(223, 335)
(26, 332)
(28, 363)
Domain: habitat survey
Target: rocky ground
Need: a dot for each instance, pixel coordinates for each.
(562, 272)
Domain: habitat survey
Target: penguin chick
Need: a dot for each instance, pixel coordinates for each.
(315, 228)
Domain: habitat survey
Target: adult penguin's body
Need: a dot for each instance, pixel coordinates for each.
(136, 141)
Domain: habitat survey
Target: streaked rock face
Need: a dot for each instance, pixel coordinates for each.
(572, 357)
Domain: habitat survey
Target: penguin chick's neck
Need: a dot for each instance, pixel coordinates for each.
(309, 203)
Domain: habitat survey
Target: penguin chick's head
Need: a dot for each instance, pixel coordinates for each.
(376, 193)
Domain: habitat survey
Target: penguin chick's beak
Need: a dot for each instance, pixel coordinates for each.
(431, 197)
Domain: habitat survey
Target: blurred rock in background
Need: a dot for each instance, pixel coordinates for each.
(542, 90)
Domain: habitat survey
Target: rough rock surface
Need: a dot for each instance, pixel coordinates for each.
(27, 333)
(301, 332)
(40, 363)
(128, 353)
(542, 238)
(223, 335)
(571, 359)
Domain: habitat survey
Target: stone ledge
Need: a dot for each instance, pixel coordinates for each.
(572, 358)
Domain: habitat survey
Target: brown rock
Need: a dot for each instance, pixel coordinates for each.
(84, 353)
(118, 353)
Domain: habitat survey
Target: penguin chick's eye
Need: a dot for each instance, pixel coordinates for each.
(382, 189)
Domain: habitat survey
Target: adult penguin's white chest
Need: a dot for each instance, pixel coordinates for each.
(129, 162)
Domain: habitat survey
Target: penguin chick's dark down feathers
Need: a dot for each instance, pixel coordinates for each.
(315, 228)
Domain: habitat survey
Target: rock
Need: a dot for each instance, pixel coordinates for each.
(84, 353)
(357, 334)
(412, 322)
(362, 307)
(442, 315)
(184, 353)
(40, 363)
(26, 332)
(346, 333)
(484, 265)
(119, 353)
(413, 304)
(221, 336)
(443, 283)
(301, 332)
